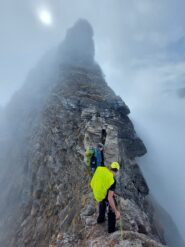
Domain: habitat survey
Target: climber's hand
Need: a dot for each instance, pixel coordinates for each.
(118, 215)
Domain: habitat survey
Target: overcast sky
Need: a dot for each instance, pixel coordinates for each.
(128, 34)
(140, 46)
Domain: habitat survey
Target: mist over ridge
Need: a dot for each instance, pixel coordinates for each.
(47, 130)
(141, 54)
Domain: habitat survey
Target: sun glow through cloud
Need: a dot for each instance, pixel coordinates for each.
(45, 17)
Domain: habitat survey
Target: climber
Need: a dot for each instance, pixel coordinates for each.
(99, 155)
(103, 185)
(95, 157)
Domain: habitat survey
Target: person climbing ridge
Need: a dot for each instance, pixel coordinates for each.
(95, 157)
(103, 185)
(100, 155)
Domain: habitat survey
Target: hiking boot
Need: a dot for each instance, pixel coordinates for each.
(100, 221)
(113, 230)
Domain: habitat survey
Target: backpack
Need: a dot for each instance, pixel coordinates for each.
(98, 157)
(101, 182)
(90, 156)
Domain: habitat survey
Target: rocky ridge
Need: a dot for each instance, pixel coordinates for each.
(48, 196)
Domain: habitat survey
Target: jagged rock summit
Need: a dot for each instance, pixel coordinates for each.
(48, 199)
(78, 46)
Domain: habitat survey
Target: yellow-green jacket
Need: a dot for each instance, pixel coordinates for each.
(101, 182)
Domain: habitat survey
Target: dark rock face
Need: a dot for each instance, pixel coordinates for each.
(48, 181)
(164, 221)
(78, 46)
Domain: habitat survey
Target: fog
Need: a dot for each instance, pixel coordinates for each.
(140, 47)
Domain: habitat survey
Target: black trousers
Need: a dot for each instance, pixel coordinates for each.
(111, 216)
